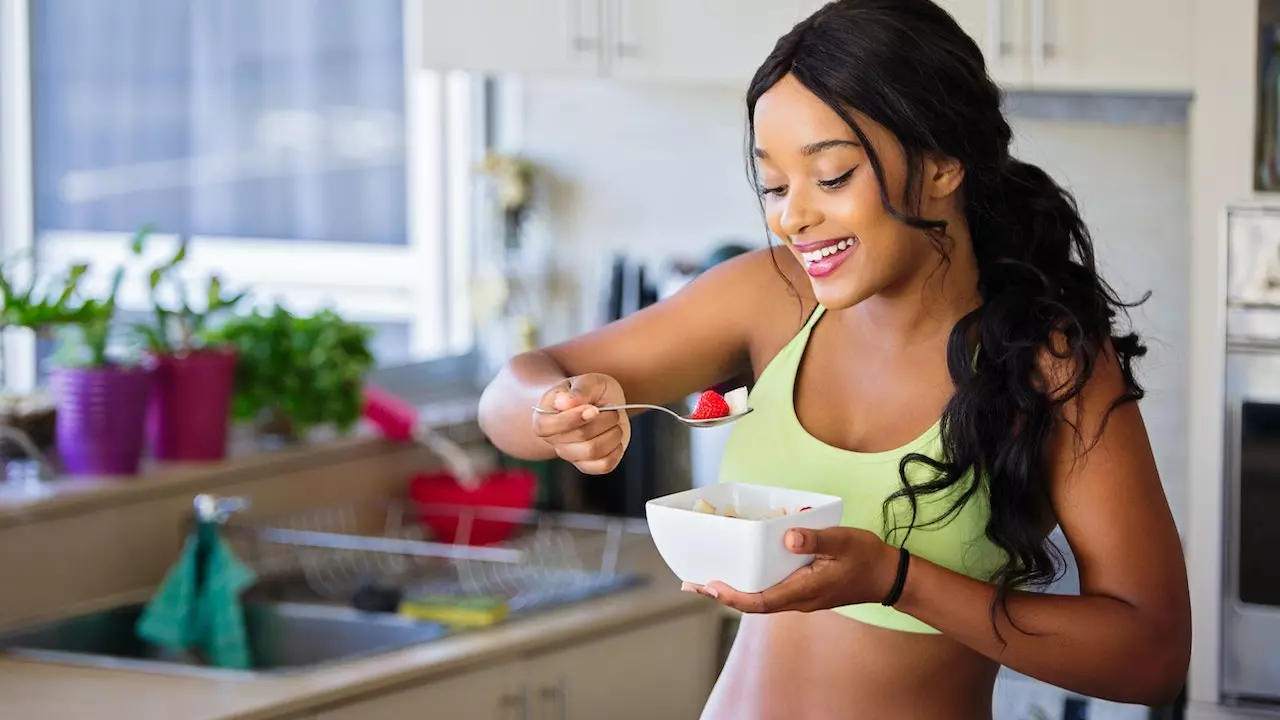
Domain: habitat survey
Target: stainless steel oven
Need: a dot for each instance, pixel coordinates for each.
(1251, 582)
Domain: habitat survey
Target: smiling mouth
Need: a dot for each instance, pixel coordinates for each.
(828, 250)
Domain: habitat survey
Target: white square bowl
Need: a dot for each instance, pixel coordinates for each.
(745, 554)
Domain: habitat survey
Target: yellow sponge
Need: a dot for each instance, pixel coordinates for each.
(473, 611)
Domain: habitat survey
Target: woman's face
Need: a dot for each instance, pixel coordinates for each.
(822, 198)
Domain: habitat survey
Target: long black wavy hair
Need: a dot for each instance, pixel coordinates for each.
(907, 65)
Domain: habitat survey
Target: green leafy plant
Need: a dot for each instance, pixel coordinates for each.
(84, 341)
(297, 372)
(42, 308)
(84, 330)
(181, 327)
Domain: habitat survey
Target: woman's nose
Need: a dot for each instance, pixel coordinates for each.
(798, 215)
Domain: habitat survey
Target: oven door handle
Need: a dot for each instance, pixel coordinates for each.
(1233, 452)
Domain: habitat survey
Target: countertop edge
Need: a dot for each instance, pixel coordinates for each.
(74, 496)
(28, 685)
(35, 683)
(414, 666)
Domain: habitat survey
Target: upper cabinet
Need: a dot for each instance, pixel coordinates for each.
(1056, 45)
(698, 41)
(1143, 45)
(704, 40)
(999, 28)
(498, 36)
(1082, 45)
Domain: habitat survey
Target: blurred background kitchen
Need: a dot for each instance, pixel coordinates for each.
(257, 209)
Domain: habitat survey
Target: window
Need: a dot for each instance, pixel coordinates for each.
(295, 143)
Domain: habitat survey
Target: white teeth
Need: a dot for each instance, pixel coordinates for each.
(827, 251)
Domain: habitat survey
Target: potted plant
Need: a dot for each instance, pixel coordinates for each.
(297, 372)
(193, 380)
(39, 310)
(101, 401)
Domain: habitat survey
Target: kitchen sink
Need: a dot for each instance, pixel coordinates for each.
(283, 638)
(291, 628)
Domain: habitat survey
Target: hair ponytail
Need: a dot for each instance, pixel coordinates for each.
(908, 66)
(1041, 294)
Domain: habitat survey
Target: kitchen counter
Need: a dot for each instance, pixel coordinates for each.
(47, 691)
(94, 543)
(70, 496)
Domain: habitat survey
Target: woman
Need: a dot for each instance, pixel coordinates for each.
(932, 342)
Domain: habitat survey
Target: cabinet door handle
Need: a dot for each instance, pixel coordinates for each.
(579, 41)
(999, 46)
(623, 47)
(556, 693)
(1041, 47)
(517, 701)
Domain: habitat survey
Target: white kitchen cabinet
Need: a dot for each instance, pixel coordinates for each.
(664, 669)
(1136, 45)
(718, 41)
(659, 671)
(1079, 45)
(1059, 45)
(998, 26)
(498, 36)
(487, 694)
(708, 41)
(1000, 29)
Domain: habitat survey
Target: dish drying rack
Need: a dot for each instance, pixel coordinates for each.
(548, 558)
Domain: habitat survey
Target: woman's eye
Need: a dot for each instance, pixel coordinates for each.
(837, 182)
(776, 190)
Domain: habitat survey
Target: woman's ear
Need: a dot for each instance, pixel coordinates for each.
(943, 176)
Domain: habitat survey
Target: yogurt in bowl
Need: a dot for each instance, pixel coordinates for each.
(733, 532)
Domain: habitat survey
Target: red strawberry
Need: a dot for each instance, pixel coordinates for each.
(711, 405)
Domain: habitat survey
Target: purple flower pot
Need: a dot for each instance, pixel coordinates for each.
(191, 405)
(101, 417)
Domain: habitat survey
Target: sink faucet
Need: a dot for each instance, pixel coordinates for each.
(45, 470)
(210, 508)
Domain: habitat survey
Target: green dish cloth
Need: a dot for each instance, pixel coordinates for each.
(197, 606)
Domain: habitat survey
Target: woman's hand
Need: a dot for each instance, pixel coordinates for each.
(850, 566)
(593, 441)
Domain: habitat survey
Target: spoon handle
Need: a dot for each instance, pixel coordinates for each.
(639, 406)
(691, 422)
(629, 406)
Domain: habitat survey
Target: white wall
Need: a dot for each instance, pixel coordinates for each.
(657, 171)
(654, 172)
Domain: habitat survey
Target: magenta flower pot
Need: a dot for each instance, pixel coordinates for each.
(191, 405)
(101, 418)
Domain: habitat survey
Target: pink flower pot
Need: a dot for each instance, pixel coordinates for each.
(191, 406)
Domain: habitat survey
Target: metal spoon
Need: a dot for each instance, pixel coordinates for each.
(691, 422)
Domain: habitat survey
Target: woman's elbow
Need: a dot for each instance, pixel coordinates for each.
(1159, 690)
(1162, 669)
(1174, 676)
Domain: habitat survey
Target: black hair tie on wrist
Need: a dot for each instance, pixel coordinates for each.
(900, 581)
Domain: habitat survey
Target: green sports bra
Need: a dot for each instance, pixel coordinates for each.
(771, 447)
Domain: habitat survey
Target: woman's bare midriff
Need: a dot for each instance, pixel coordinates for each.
(824, 666)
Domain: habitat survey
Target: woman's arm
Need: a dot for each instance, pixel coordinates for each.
(1127, 636)
(686, 343)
